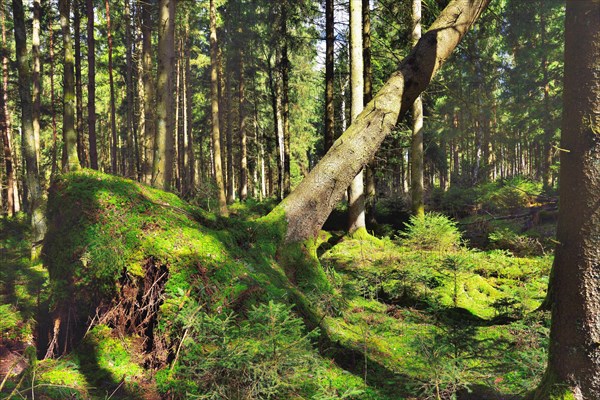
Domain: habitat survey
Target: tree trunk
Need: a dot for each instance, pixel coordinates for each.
(214, 94)
(242, 129)
(12, 195)
(162, 174)
(229, 140)
(81, 153)
(130, 164)
(113, 122)
(91, 86)
(190, 159)
(574, 357)
(38, 222)
(329, 75)
(70, 159)
(36, 75)
(148, 83)
(548, 132)
(307, 207)
(54, 167)
(356, 196)
(416, 152)
(285, 101)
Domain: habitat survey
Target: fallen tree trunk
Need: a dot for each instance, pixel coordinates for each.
(308, 206)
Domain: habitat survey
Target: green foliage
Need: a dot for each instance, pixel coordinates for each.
(268, 355)
(432, 232)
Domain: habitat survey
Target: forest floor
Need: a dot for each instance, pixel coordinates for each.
(402, 321)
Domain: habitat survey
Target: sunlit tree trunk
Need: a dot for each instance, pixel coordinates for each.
(214, 93)
(70, 158)
(54, 167)
(162, 171)
(81, 152)
(307, 207)
(356, 195)
(113, 116)
(243, 188)
(36, 75)
(416, 153)
(329, 75)
(129, 153)
(285, 101)
(38, 222)
(148, 84)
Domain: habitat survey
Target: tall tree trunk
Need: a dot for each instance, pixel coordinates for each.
(190, 159)
(548, 132)
(285, 101)
(36, 76)
(356, 195)
(148, 82)
(416, 152)
(370, 183)
(12, 195)
(81, 153)
(70, 159)
(307, 207)
(91, 86)
(278, 126)
(243, 189)
(329, 75)
(54, 167)
(574, 358)
(214, 93)
(162, 174)
(113, 113)
(229, 140)
(38, 222)
(130, 164)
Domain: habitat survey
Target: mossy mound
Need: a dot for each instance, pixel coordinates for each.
(171, 287)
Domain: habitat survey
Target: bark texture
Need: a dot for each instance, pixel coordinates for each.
(574, 359)
(162, 171)
(214, 94)
(307, 207)
(91, 104)
(416, 152)
(356, 192)
(70, 158)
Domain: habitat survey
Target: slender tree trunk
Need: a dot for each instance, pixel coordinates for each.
(356, 195)
(70, 159)
(113, 113)
(36, 75)
(91, 86)
(162, 174)
(416, 152)
(38, 222)
(54, 168)
(548, 132)
(370, 183)
(214, 91)
(12, 195)
(285, 101)
(242, 129)
(81, 153)
(130, 164)
(574, 359)
(229, 140)
(190, 159)
(307, 207)
(148, 83)
(179, 120)
(329, 75)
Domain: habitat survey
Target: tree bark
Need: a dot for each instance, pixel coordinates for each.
(416, 153)
(307, 207)
(148, 84)
(54, 167)
(574, 357)
(356, 195)
(81, 153)
(36, 75)
(113, 122)
(38, 222)
(91, 86)
(162, 174)
(329, 75)
(285, 101)
(128, 156)
(243, 188)
(12, 195)
(70, 159)
(214, 93)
